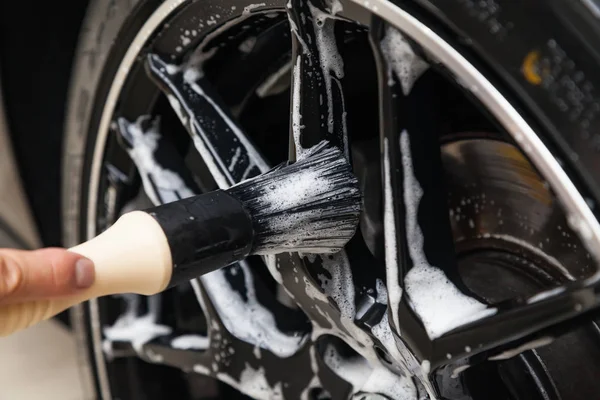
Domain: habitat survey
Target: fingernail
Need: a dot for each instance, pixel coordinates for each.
(84, 273)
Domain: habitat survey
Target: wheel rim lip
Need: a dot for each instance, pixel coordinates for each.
(584, 223)
(155, 20)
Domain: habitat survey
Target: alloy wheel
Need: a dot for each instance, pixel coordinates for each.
(460, 193)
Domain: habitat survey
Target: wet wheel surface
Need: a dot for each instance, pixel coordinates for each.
(473, 133)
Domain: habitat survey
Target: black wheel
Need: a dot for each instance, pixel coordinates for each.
(472, 127)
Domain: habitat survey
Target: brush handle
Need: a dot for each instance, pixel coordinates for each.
(132, 256)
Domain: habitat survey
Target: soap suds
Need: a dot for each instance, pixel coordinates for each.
(391, 250)
(401, 60)
(341, 286)
(253, 382)
(248, 9)
(330, 60)
(256, 352)
(365, 378)
(235, 159)
(190, 342)
(296, 110)
(260, 329)
(248, 320)
(315, 382)
(161, 185)
(294, 190)
(439, 304)
(134, 329)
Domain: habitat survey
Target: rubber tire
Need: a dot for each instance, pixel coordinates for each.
(578, 31)
(100, 28)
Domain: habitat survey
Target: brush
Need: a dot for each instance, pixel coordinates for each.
(310, 206)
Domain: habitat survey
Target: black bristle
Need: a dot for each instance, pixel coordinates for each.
(311, 206)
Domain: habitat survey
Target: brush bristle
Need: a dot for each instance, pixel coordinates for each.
(311, 206)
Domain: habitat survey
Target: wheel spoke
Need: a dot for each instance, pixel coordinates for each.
(318, 110)
(420, 255)
(225, 148)
(340, 300)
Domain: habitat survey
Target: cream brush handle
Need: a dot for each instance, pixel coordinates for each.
(132, 256)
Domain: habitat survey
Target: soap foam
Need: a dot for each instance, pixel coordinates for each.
(401, 60)
(439, 304)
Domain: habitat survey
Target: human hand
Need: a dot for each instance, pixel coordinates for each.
(42, 274)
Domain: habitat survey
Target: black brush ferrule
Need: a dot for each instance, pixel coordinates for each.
(205, 233)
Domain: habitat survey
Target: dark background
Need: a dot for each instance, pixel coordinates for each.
(37, 46)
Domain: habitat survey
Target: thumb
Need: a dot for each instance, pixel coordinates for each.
(40, 274)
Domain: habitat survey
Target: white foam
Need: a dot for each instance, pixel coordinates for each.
(256, 352)
(336, 7)
(402, 60)
(354, 371)
(190, 342)
(296, 115)
(155, 178)
(294, 190)
(357, 339)
(248, 320)
(384, 334)
(341, 286)
(154, 357)
(439, 304)
(137, 330)
(253, 382)
(194, 67)
(272, 265)
(365, 378)
(235, 159)
(395, 387)
(330, 60)
(248, 9)
(303, 229)
(315, 382)
(201, 369)
(382, 297)
(391, 250)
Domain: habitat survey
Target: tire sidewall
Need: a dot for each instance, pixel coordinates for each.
(100, 28)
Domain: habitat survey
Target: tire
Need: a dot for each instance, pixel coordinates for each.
(494, 36)
(102, 23)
